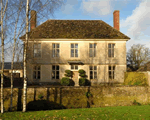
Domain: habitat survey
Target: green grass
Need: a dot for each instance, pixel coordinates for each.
(104, 113)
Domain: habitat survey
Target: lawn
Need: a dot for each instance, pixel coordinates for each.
(103, 113)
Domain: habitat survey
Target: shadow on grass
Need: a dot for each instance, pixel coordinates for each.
(43, 105)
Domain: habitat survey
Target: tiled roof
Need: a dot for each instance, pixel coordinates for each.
(75, 29)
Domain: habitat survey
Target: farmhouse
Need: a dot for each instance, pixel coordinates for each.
(91, 45)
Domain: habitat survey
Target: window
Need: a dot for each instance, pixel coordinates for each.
(111, 70)
(111, 49)
(92, 50)
(74, 67)
(55, 49)
(55, 72)
(74, 50)
(37, 49)
(93, 72)
(36, 72)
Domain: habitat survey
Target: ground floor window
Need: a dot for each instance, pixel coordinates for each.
(111, 70)
(36, 72)
(74, 67)
(55, 71)
(93, 72)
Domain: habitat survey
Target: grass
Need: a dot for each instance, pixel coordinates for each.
(103, 113)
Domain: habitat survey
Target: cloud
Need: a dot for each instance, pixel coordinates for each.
(137, 24)
(68, 7)
(96, 7)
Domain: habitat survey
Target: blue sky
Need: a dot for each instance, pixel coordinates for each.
(134, 16)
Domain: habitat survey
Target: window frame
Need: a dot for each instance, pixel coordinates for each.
(74, 49)
(112, 71)
(93, 71)
(55, 72)
(54, 55)
(94, 47)
(112, 50)
(36, 70)
(37, 48)
(74, 66)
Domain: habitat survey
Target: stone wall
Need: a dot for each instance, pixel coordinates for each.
(80, 97)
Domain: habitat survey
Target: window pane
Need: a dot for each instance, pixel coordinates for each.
(72, 45)
(72, 67)
(109, 67)
(95, 67)
(57, 45)
(91, 73)
(94, 45)
(35, 51)
(72, 51)
(91, 67)
(109, 45)
(76, 51)
(76, 45)
(53, 52)
(57, 54)
(76, 67)
(113, 67)
(53, 67)
(91, 53)
(76, 55)
(95, 75)
(38, 67)
(39, 45)
(112, 54)
(113, 45)
(57, 74)
(109, 52)
(57, 67)
(90, 45)
(35, 45)
(34, 74)
(94, 52)
(38, 74)
(53, 74)
(53, 45)
(110, 75)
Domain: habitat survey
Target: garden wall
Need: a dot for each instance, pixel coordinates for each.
(78, 97)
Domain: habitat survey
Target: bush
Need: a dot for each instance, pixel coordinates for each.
(67, 81)
(136, 103)
(81, 71)
(69, 73)
(82, 81)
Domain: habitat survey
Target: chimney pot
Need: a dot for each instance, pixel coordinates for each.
(33, 19)
(116, 19)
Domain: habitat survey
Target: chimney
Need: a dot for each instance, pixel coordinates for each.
(33, 20)
(116, 19)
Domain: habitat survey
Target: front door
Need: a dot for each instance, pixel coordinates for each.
(75, 78)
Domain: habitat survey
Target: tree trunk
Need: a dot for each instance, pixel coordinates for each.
(25, 60)
(2, 41)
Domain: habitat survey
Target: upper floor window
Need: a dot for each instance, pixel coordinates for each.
(92, 50)
(37, 49)
(74, 67)
(55, 49)
(55, 71)
(74, 50)
(111, 47)
(111, 70)
(93, 72)
(36, 72)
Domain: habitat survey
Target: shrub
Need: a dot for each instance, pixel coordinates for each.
(65, 81)
(40, 96)
(136, 103)
(81, 71)
(69, 73)
(82, 81)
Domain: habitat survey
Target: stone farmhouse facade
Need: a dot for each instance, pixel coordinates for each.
(91, 45)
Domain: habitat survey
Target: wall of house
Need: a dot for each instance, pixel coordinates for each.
(101, 60)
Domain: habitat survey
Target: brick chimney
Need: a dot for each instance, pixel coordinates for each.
(33, 20)
(116, 19)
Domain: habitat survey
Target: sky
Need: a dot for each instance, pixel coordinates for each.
(134, 16)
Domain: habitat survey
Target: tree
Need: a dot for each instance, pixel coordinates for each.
(137, 55)
(3, 11)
